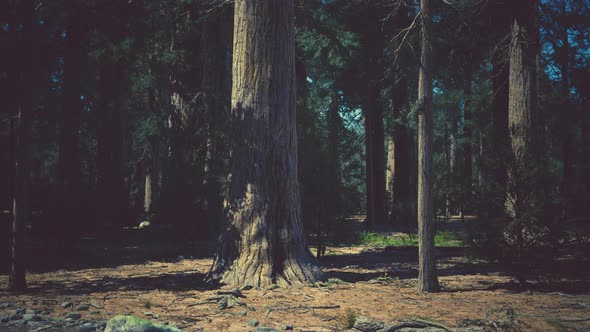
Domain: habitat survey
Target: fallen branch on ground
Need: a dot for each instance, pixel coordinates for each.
(301, 307)
(572, 320)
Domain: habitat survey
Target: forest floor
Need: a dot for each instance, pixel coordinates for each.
(164, 283)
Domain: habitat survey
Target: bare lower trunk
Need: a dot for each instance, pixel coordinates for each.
(147, 200)
(69, 167)
(369, 174)
(375, 161)
(401, 173)
(500, 137)
(264, 242)
(480, 161)
(467, 187)
(373, 44)
(334, 124)
(390, 165)
(22, 135)
(569, 176)
(21, 209)
(214, 85)
(69, 163)
(427, 276)
(521, 111)
(110, 163)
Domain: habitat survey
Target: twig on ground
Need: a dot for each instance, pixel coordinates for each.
(301, 307)
(420, 323)
(572, 320)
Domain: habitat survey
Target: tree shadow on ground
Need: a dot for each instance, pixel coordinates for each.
(402, 263)
(560, 287)
(96, 252)
(167, 281)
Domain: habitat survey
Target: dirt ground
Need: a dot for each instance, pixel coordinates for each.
(378, 283)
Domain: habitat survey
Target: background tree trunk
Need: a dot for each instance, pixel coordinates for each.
(427, 276)
(467, 188)
(215, 84)
(264, 242)
(390, 167)
(369, 173)
(111, 138)
(148, 192)
(69, 168)
(334, 123)
(523, 190)
(373, 42)
(522, 105)
(22, 131)
(500, 139)
(568, 151)
(400, 197)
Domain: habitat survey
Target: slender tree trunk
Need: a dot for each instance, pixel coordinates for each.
(450, 155)
(427, 275)
(584, 157)
(22, 129)
(523, 190)
(139, 179)
(369, 173)
(373, 43)
(21, 209)
(215, 88)
(264, 243)
(69, 172)
(480, 161)
(401, 196)
(522, 102)
(389, 171)
(111, 138)
(148, 194)
(330, 211)
(568, 182)
(152, 170)
(467, 188)
(379, 217)
(334, 124)
(375, 140)
(69, 161)
(500, 137)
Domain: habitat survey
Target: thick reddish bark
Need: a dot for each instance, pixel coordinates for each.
(264, 242)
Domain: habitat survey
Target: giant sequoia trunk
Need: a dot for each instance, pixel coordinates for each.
(264, 242)
(427, 276)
